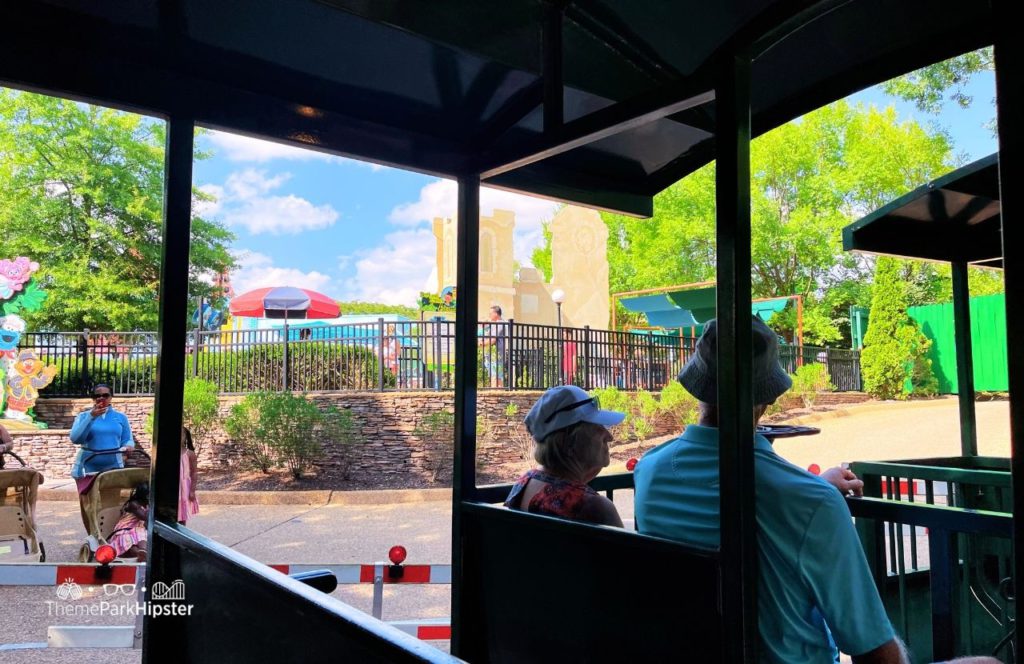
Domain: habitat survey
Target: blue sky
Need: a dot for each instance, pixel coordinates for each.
(359, 231)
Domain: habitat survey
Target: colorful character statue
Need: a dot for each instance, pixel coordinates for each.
(25, 378)
(14, 274)
(22, 374)
(11, 329)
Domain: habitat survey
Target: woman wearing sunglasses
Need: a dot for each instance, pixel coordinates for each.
(101, 429)
(571, 446)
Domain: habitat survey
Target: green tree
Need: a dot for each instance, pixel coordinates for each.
(541, 256)
(927, 87)
(809, 178)
(81, 192)
(355, 308)
(894, 349)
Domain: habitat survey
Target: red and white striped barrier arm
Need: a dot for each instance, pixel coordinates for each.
(45, 574)
(426, 629)
(121, 636)
(354, 574)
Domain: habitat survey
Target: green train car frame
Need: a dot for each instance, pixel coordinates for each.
(596, 102)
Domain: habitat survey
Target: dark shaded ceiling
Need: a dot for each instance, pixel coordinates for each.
(453, 87)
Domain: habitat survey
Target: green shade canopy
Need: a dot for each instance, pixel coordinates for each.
(955, 218)
(701, 302)
(691, 307)
(660, 311)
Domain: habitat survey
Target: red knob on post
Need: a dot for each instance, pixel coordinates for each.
(397, 554)
(105, 554)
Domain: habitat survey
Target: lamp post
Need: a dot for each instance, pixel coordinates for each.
(558, 297)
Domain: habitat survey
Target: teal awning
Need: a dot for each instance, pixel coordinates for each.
(688, 308)
(701, 302)
(698, 301)
(765, 309)
(660, 311)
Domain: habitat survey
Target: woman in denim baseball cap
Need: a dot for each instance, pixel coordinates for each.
(571, 445)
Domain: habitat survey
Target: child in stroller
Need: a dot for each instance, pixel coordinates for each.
(129, 535)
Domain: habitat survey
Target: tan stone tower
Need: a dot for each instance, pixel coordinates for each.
(579, 266)
(496, 260)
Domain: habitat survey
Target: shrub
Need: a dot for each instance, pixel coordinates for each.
(923, 381)
(310, 367)
(808, 381)
(643, 410)
(890, 343)
(126, 376)
(288, 422)
(612, 399)
(327, 366)
(199, 410)
(678, 404)
(243, 425)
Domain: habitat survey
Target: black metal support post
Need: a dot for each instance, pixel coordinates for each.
(198, 335)
(1009, 61)
(380, 354)
(464, 476)
(551, 57)
(735, 396)
(561, 347)
(943, 564)
(964, 360)
(284, 366)
(159, 633)
(510, 353)
(586, 357)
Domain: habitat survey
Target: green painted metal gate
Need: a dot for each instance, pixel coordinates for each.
(988, 333)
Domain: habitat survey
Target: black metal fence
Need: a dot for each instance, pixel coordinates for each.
(410, 355)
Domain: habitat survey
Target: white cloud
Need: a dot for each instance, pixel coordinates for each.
(245, 149)
(243, 201)
(393, 272)
(251, 183)
(440, 199)
(256, 270)
(281, 214)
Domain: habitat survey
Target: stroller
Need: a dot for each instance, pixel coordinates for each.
(18, 491)
(101, 503)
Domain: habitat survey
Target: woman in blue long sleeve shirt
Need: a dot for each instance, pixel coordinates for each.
(101, 429)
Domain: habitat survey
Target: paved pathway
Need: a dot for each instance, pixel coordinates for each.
(895, 430)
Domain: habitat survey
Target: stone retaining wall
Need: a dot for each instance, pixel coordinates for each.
(388, 422)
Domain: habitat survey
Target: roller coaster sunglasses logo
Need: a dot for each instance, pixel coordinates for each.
(166, 600)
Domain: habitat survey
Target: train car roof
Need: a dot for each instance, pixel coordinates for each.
(954, 218)
(449, 87)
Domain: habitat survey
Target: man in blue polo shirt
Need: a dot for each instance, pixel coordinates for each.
(815, 590)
